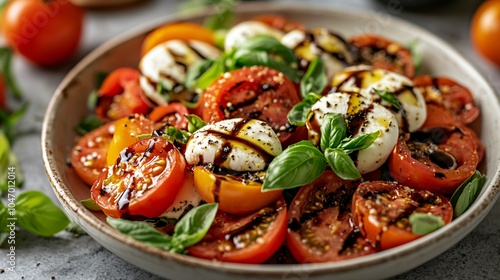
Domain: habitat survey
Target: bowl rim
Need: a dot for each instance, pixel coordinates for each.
(474, 214)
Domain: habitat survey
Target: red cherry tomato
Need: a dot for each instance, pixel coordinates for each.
(253, 238)
(172, 114)
(255, 92)
(45, 32)
(383, 53)
(320, 226)
(485, 30)
(381, 210)
(120, 95)
(143, 182)
(449, 94)
(88, 156)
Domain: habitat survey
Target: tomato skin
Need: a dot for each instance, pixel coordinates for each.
(184, 31)
(279, 22)
(172, 114)
(449, 94)
(45, 32)
(325, 234)
(381, 210)
(486, 26)
(268, 96)
(370, 44)
(120, 95)
(235, 227)
(231, 193)
(143, 182)
(88, 156)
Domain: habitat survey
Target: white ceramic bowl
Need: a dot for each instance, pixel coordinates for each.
(66, 109)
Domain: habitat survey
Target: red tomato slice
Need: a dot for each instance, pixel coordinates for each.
(120, 95)
(381, 210)
(255, 92)
(88, 156)
(383, 53)
(143, 182)
(320, 226)
(449, 94)
(172, 114)
(253, 238)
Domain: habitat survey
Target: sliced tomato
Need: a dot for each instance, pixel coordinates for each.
(235, 194)
(255, 92)
(382, 209)
(88, 156)
(144, 181)
(280, 22)
(383, 53)
(252, 238)
(120, 95)
(172, 114)
(449, 94)
(127, 131)
(320, 226)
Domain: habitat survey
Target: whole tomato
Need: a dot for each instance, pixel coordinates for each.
(485, 30)
(45, 32)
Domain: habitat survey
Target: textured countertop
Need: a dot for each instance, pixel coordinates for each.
(63, 256)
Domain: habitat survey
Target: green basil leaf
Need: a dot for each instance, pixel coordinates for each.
(90, 204)
(299, 164)
(194, 123)
(194, 226)
(333, 130)
(8, 160)
(272, 46)
(4, 214)
(358, 143)
(466, 193)
(416, 55)
(38, 214)
(299, 113)
(211, 74)
(220, 37)
(196, 72)
(5, 65)
(223, 18)
(9, 121)
(314, 79)
(87, 124)
(75, 229)
(389, 97)
(341, 164)
(173, 134)
(424, 223)
(141, 231)
(245, 57)
(92, 100)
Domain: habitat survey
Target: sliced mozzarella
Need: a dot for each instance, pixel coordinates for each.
(167, 64)
(236, 144)
(186, 199)
(363, 117)
(365, 80)
(332, 48)
(246, 30)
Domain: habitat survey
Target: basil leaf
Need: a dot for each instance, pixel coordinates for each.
(5, 65)
(211, 74)
(8, 121)
(270, 45)
(416, 55)
(314, 79)
(224, 16)
(75, 229)
(8, 160)
(299, 113)
(424, 223)
(389, 97)
(141, 231)
(38, 214)
(333, 130)
(358, 143)
(90, 204)
(4, 225)
(87, 124)
(466, 193)
(341, 164)
(193, 226)
(173, 134)
(220, 37)
(245, 57)
(299, 164)
(92, 100)
(196, 72)
(194, 123)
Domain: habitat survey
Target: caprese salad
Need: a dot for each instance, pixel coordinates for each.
(282, 140)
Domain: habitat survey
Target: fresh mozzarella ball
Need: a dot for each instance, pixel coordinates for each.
(246, 30)
(333, 49)
(365, 80)
(168, 63)
(186, 199)
(363, 117)
(236, 144)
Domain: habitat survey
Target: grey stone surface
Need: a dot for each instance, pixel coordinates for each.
(66, 257)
